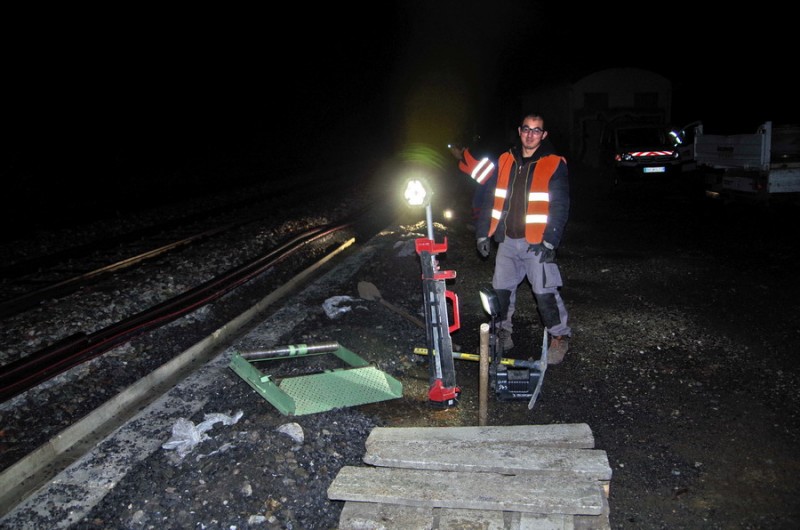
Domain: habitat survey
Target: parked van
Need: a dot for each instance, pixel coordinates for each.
(638, 152)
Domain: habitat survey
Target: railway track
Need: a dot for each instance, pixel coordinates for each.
(27, 372)
(65, 355)
(74, 282)
(29, 280)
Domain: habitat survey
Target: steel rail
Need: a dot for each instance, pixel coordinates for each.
(24, 267)
(23, 302)
(36, 368)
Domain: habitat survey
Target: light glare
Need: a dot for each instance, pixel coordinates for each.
(416, 193)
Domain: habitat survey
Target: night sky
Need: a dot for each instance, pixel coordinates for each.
(95, 99)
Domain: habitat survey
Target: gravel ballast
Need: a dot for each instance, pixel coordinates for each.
(682, 362)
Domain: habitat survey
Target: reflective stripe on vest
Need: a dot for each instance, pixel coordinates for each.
(479, 170)
(538, 197)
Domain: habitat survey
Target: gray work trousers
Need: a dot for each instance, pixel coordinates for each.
(513, 264)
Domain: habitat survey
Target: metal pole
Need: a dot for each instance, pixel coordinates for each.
(291, 350)
(429, 221)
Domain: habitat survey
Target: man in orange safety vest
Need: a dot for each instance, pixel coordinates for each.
(525, 211)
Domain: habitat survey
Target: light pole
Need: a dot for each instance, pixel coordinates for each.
(443, 391)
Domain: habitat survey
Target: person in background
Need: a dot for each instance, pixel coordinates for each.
(525, 210)
(477, 162)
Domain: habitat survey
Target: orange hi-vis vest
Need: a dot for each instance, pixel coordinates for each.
(479, 170)
(538, 196)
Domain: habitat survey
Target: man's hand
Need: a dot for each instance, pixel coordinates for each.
(483, 246)
(547, 251)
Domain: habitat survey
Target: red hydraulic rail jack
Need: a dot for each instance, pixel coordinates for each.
(443, 391)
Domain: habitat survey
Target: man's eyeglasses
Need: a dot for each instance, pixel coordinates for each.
(536, 131)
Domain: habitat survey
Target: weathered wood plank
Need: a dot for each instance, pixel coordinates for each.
(599, 522)
(455, 489)
(374, 516)
(496, 457)
(523, 477)
(575, 435)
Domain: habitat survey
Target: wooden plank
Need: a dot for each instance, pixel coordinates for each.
(576, 435)
(496, 457)
(599, 522)
(456, 489)
(370, 515)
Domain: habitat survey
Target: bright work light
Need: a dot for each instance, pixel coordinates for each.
(417, 192)
(490, 301)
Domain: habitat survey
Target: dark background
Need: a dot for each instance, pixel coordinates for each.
(100, 100)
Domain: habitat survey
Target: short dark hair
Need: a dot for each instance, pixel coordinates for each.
(532, 114)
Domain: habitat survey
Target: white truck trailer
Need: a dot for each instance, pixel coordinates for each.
(764, 165)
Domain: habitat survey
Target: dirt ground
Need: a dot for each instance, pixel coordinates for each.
(685, 324)
(683, 360)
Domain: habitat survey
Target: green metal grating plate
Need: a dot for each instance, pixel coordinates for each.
(318, 392)
(343, 388)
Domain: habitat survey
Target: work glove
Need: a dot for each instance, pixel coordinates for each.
(544, 248)
(483, 246)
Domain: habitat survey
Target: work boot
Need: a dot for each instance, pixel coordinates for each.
(504, 340)
(559, 346)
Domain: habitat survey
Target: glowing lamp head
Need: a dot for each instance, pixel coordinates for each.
(417, 192)
(490, 301)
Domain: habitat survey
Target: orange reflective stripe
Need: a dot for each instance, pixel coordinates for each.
(479, 170)
(483, 171)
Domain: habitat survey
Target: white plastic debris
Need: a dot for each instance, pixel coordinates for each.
(224, 447)
(332, 305)
(186, 435)
(294, 430)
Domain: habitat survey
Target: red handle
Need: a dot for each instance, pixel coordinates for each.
(456, 315)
